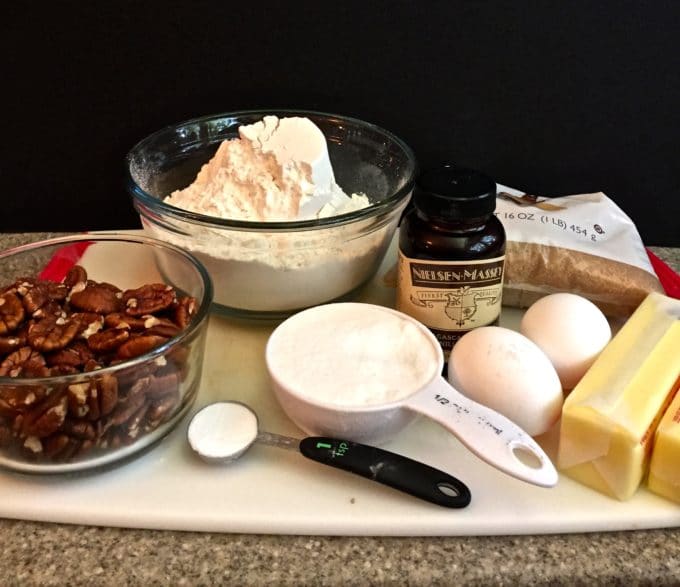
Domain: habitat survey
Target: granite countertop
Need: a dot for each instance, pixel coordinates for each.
(42, 553)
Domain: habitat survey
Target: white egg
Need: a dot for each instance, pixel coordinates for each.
(571, 330)
(505, 371)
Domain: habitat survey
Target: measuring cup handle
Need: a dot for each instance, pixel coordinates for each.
(488, 434)
(388, 468)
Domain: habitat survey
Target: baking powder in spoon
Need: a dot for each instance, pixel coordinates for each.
(223, 431)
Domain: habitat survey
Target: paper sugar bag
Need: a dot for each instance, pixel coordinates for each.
(584, 244)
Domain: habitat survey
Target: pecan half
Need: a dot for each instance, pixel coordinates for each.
(75, 355)
(25, 362)
(91, 365)
(133, 425)
(94, 399)
(78, 395)
(80, 429)
(118, 320)
(23, 285)
(139, 345)
(93, 412)
(59, 370)
(184, 311)
(52, 333)
(107, 340)
(43, 292)
(50, 308)
(124, 411)
(47, 417)
(88, 323)
(11, 312)
(60, 446)
(150, 298)
(19, 399)
(161, 408)
(107, 386)
(95, 298)
(160, 326)
(76, 274)
(163, 384)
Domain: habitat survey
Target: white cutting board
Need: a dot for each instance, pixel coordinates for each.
(274, 491)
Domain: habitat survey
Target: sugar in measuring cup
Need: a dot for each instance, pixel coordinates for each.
(362, 372)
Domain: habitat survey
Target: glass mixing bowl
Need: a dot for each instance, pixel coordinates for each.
(272, 269)
(85, 381)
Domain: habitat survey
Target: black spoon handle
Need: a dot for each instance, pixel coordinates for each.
(388, 468)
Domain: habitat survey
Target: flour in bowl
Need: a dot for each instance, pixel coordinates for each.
(277, 170)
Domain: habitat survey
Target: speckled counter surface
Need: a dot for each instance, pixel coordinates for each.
(57, 554)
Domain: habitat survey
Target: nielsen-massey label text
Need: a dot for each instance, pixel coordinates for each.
(440, 275)
(452, 297)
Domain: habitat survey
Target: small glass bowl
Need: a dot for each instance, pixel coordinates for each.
(272, 269)
(74, 422)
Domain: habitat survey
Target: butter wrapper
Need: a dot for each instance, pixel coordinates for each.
(610, 417)
(664, 469)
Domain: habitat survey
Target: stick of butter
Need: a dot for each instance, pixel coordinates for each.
(609, 418)
(664, 468)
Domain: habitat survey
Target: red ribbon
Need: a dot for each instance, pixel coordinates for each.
(669, 279)
(65, 258)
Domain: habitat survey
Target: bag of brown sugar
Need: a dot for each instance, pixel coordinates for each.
(583, 244)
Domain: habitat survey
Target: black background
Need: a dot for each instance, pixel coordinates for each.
(550, 97)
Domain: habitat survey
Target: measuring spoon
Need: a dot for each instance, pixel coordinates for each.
(221, 432)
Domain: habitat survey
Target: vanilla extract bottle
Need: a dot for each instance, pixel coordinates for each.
(451, 254)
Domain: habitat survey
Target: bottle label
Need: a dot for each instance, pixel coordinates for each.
(450, 297)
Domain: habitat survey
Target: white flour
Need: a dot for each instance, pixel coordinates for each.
(351, 355)
(277, 170)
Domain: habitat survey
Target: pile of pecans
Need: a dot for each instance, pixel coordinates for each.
(80, 326)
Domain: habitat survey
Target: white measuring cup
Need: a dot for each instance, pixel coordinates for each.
(486, 433)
